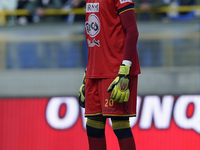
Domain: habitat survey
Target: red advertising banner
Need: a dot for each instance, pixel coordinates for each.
(58, 123)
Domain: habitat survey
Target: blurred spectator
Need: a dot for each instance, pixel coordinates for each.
(146, 5)
(197, 12)
(74, 4)
(78, 3)
(37, 8)
(23, 20)
(184, 16)
(9, 5)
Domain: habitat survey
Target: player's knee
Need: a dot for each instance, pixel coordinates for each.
(121, 128)
(95, 128)
(97, 118)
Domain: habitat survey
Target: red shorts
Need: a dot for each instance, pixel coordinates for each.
(98, 102)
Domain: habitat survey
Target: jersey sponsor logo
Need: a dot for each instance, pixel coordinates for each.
(124, 1)
(92, 25)
(109, 110)
(92, 7)
(93, 43)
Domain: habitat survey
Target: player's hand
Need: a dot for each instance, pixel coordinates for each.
(120, 86)
(81, 96)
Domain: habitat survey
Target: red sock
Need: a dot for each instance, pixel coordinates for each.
(127, 144)
(97, 143)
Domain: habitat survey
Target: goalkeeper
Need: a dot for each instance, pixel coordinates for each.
(109, 88)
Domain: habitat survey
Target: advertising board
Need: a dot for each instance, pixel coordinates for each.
(162, 123)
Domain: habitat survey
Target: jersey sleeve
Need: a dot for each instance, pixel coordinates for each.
(129, 24)
(119, 4)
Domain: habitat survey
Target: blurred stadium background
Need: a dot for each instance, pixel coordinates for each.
(45, 59)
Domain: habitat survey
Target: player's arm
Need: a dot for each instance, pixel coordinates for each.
(128, 20)
(119, 88)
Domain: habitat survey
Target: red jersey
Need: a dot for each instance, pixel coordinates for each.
(106, 38)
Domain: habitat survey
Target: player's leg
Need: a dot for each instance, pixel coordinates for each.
(122, 130)
(96, 132)
(95, 124)
(120, 113)
(121, 125)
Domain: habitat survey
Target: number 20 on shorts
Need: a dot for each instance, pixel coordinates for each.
(109, 102)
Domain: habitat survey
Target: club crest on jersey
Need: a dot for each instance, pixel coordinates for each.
(92, 7)
(124, 1)
(92, 25)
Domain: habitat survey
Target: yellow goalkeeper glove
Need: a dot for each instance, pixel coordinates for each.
(81, 96)
(120, 86)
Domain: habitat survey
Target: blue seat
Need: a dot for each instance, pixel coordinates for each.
(70, 57)
(27, 55)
